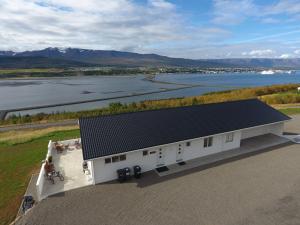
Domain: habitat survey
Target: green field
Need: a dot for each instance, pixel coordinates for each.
(17, 163)
(290, 111)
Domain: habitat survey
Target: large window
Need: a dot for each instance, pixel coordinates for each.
(116, 158)
(122, 157)
(145, 152)
(208, 142)
(107, 160)
(229, 137)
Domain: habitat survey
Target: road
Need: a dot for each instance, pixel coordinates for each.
(39, 125)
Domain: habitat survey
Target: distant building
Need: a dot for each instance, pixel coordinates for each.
(157, 138)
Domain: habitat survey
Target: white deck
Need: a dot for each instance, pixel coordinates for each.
(69, 163)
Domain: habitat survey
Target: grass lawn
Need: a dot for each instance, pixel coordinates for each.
(17, 163)
(290, 111)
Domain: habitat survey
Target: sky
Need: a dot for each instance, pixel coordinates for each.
(194, 29)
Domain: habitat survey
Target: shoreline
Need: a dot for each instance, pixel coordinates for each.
(212, 71)
(147, 78)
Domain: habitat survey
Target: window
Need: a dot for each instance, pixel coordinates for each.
(208, 142)
(153, 152)
(107, 160)
(145, 152)
(188, 143)
(122, 157)
(115, 159)
(229, 137)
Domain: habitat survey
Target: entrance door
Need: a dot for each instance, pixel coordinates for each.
(160, 158)
(179, 153)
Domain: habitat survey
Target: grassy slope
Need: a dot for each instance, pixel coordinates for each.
(290, 111)
(17, 163)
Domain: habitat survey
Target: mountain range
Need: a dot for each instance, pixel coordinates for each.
(75, 57)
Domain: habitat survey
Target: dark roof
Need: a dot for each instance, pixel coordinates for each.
(114, 134)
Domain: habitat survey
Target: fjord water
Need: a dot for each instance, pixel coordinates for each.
(35, 92)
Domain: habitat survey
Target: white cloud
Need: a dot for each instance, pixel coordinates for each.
(285, 56)
(151, 26)
(161, 4)
(283, 7)
(232, 12)
(259, 53)
(100, 24)
(297, 52)
(111, 24)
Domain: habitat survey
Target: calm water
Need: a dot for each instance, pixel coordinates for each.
(34, 92)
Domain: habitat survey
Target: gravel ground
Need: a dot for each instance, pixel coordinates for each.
(261, 189)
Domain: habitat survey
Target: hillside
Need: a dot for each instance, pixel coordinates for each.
(12, 62)
(100, 58)
(74, 57)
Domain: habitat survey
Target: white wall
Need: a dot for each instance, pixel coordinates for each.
(219, 144)
(41, 178)
(40, 182)
(276, 128)
(106, 172)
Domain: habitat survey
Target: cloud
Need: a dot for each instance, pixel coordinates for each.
(283, 7)
(149, 26)
(270, 20)
(162, 4)
(259, 53)
(285, 56)
(114, 24)
(232, 12)
(297, 52)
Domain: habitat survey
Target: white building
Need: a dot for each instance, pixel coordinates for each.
(158, 138)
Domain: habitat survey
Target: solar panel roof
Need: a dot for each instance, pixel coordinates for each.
(113, 134)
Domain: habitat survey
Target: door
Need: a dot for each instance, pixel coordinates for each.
(179, 153)
(160, 158)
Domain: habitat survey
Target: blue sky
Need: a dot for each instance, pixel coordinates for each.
(177, 28)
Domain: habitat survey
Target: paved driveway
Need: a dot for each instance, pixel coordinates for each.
(260, 189)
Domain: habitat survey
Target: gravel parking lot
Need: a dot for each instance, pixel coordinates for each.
(259, 189)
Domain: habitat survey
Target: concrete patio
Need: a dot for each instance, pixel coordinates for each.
(249, 145)
(69, 163)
